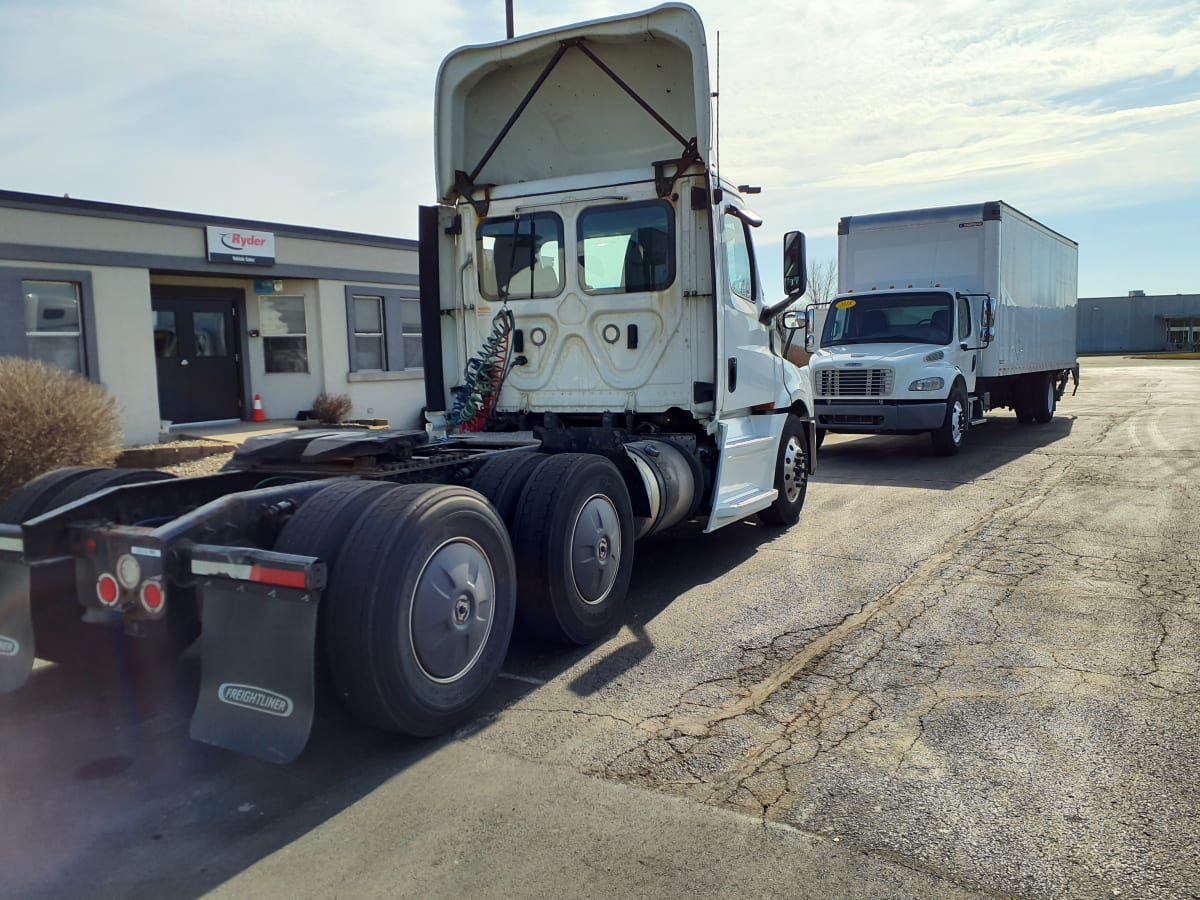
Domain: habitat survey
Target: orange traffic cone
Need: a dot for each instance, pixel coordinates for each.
(259, 415)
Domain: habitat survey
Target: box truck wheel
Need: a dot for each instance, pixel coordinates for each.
(502, 480)
(421, 607)
(948, 439)
(573, 539)
(791, 475)
(1041, 394)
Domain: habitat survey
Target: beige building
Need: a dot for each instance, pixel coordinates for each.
(184, 317)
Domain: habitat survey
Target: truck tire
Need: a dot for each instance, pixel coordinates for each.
(103, 480)
(1041, 397)
(948, 439)
(573, 539)
(421, 564)
(33, 498)
(791, 475)
(502, 480)
(820, 437)
(319, 529)
(59, 633)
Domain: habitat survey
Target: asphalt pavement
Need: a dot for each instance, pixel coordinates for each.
(966, 677)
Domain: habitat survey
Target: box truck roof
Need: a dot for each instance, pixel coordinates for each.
(964, 215)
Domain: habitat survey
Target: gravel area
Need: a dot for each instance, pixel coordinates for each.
(206, 466)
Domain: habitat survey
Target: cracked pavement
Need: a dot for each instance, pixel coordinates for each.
(974, 677)
(984, 670)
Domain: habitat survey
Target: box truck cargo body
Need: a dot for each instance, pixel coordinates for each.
(941, 315)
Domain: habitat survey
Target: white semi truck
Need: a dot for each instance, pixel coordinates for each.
(941, 315)
(590, 298)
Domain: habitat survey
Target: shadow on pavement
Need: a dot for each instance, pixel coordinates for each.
(104, 793)
(909, 460)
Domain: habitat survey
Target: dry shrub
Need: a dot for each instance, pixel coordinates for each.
(49, 418)
(332, 408)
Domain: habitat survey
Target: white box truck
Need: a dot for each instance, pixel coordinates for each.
(941, 315)
(590, 296)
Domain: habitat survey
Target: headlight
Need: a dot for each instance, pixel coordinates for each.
(926, 384)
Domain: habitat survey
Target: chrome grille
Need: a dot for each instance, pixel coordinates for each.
(854, 382)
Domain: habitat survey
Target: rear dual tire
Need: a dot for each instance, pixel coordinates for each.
(573, 540)
(421, 604)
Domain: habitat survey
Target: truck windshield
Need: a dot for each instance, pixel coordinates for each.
(889, 319)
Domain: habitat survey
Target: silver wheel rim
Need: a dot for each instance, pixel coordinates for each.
(596, 549)
(454, 604)
(794, 473)
(956, 422)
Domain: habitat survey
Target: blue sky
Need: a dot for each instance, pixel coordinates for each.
(1083, 114)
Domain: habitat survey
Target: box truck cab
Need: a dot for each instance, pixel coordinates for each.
(943, 314)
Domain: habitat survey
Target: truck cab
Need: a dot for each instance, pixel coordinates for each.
(889, 360)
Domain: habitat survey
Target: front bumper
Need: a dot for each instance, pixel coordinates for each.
(880, 416)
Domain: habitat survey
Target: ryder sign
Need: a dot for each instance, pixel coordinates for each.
(236, 245)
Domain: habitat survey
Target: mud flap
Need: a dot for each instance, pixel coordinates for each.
(257, 687)
(16, 624)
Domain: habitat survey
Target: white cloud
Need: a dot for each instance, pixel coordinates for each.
(322, 112)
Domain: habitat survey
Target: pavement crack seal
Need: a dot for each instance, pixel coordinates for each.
(918, 582)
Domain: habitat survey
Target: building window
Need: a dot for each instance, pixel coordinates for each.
(285, 334)
(53, 326)
(627, 248)
(385, 330)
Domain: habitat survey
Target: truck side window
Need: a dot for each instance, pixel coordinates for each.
(627, 248)
(964, 318)
(740, 256)
(520, 257)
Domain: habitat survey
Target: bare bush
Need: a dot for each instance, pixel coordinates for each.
(49, 418)
(332, 408)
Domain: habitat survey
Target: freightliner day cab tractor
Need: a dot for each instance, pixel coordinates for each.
(590, 299)
(943, 314)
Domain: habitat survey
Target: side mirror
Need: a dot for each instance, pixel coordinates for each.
(989, 312)
(793, 320)
(810, 343)
(795, 265)
(987, 330)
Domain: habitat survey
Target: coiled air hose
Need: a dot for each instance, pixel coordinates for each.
(476, 397)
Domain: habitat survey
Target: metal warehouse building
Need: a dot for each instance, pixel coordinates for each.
(1137, 323)
(184, 317)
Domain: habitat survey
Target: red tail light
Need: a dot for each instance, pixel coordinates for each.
(108, 590)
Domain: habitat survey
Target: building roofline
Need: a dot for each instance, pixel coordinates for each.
(99, 209)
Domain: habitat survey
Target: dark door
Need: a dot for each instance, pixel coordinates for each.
(198, 364)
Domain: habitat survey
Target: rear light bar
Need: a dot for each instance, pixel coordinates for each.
(256, 566)
(246, 572)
